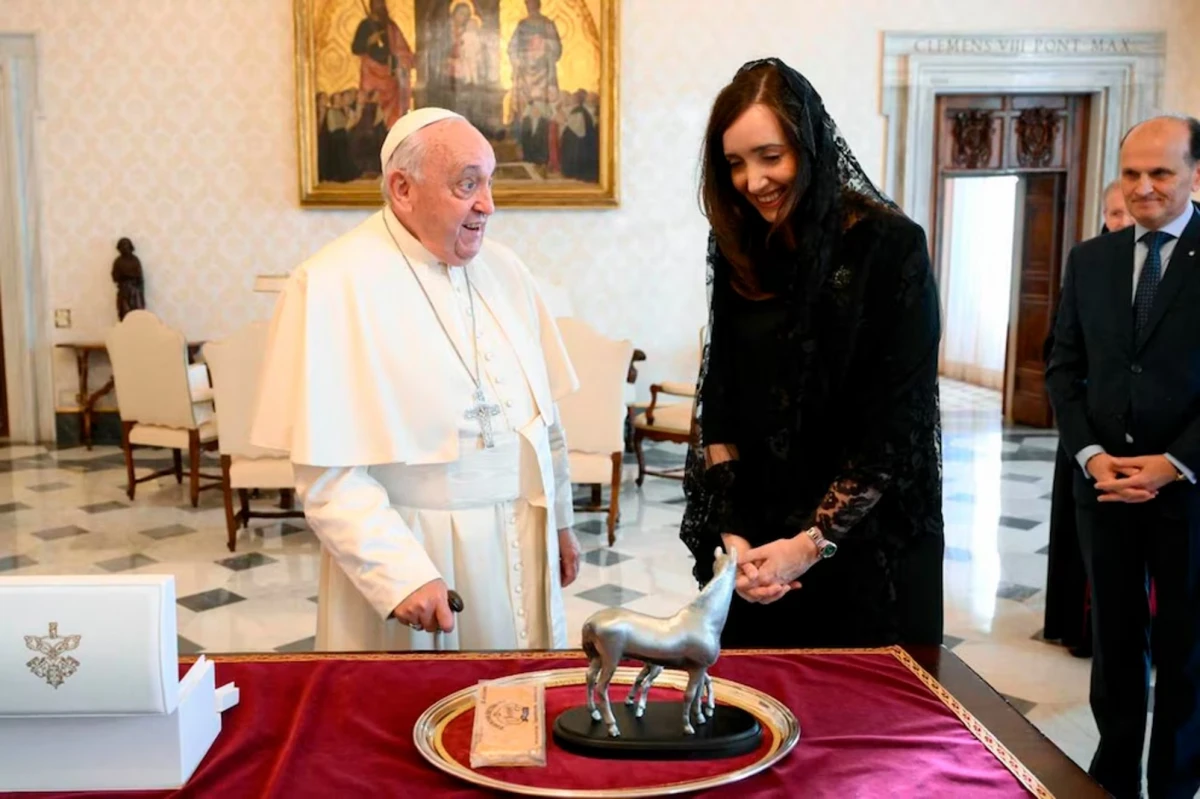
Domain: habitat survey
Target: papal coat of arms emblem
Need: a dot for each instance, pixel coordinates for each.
(972, 139)
(54, 666)
(1037, 129)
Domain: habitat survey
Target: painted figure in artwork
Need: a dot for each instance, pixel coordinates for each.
(534, 51)
(387, 61)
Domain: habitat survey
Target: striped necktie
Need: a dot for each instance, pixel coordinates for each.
(1147, 285)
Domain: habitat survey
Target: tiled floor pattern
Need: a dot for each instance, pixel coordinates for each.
(65, 512)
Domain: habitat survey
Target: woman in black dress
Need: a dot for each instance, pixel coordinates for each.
(819, 454)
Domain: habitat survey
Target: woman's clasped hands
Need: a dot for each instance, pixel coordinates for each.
(767, 573)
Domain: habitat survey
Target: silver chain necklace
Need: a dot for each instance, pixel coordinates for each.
(481, 411)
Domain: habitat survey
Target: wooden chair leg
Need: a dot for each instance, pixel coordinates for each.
(194, 465)
(287, 499)
(126, 428)
(244, 516)
(596, 498)
(641, 457)
(178, 466)
(231, 526)
(614, 500)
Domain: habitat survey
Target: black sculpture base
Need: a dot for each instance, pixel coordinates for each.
(658, 735)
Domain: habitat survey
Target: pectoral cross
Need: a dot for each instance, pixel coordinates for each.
(482, 412)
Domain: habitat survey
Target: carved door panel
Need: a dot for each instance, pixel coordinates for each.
(1005, 133)
(1037, 133)
(971, 133)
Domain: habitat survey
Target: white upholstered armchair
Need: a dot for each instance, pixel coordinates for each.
(666, 421)
(163, 400)
(593, 417)
(236, 363)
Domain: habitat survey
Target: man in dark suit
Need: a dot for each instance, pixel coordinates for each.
(1067, 618)
(1124, 379)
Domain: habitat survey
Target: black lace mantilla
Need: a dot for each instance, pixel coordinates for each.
(861, 339)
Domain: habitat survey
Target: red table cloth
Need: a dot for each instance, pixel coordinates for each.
(873, 724)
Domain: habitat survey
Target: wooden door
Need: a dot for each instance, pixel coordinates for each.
(1040, 265)
(1042, 138)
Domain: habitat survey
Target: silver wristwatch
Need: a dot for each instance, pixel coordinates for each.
(825, 547)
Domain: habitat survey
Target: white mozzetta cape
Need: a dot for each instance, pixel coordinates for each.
(358, 371)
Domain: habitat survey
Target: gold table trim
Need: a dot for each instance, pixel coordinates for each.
(775, 717)
(973, 725)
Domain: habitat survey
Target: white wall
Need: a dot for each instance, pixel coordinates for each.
(173, 122)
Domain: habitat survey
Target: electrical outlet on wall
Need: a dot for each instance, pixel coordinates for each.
(62, 317)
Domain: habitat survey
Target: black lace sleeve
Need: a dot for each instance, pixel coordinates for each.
(713, 412)
(897, 443)
(710, 509)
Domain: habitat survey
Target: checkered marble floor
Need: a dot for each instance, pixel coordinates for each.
(65, 511)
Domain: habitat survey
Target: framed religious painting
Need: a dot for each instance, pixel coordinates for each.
(537, 77)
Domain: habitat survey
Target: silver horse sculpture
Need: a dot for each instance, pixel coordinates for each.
(689, 640)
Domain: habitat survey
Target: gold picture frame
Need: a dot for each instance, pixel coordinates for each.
(538, 77)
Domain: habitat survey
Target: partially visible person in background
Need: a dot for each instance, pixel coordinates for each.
(1116, 214)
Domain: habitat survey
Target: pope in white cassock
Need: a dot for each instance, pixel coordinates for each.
(412, 371)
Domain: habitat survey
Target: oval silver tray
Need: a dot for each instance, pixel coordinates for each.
(775, 717)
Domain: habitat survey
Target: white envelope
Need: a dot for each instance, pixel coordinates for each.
(88, 645)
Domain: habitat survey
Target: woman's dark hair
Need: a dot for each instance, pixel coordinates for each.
(739, 230)
(741, 234)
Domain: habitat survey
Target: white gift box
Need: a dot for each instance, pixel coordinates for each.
(119, 630)
(90, 697)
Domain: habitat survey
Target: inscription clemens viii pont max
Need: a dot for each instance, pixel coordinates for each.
(1032, 45)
